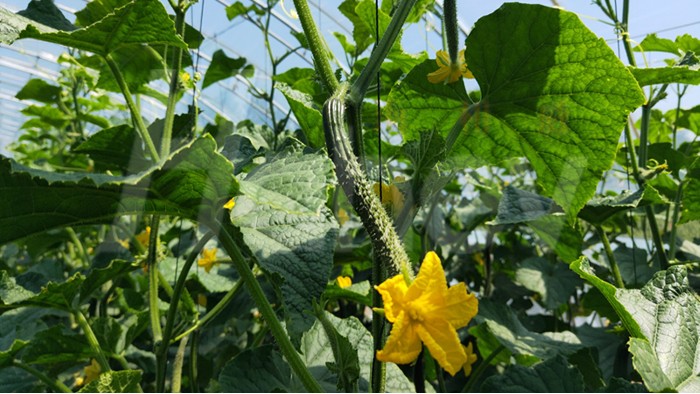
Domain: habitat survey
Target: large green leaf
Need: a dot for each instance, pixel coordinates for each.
(599, 209)
(12, 24)
(502, 322)
(286, 224)
(115, 148)
(139, 22)
(56, 346)
(551, 91)
(691, 200)
(39, 90)
(53, 295)
(663, 318)
(193, 183)
(115, 382)
(222, 67)
(258, 370)
(518, 206)
(7, 356)
(317, 353)
(307, 114)
(553, 281)
(46, 13)
(552, 376)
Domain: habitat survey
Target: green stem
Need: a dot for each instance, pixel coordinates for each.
(440, 377)
(625, 33)
(451, 29)
(153, 279)
(359, 87)
(55, 384)
(141, 128)
(176, 381)
(267, 312)
(318, 46)
(611, 257)
(194, 355)
(162, 349)
(378, 374)
(481, 368)
(648, 210)
(334, 341)
(167, 137)
(79, 245)
(644, 135)
(92, 340)
(213, 313)
(674, 220)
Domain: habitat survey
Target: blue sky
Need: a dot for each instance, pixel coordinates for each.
(27, 59)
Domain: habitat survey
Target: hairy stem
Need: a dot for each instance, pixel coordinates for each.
(267, 312)
(162, 350)
(611, 257)
(167, 136)
(318, 46)
(451, 29)
(92, 340)
(214, 312)
(176, 381)
(141, 128)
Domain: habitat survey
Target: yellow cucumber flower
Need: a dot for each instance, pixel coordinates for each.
(344, 281)
(471, 359)
(426, 311)
(144, 237)
(447, 71)
(230, 204)
(92, 371)
(392, 197)
(208, 259)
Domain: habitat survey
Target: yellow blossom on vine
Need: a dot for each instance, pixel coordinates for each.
(144, 236)
(426, 311)
(230, 204)
(471, 359)
(208, 259)
(91, 372)
(391, 197)
(344, 281)
(449, 72)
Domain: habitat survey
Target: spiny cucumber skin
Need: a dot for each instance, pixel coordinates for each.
(385, 242)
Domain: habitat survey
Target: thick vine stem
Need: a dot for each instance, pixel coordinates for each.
(337, 117)
(451, 29)
(258, 296)
(317, 45)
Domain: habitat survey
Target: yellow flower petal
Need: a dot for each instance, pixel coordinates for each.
(442, 58)
(429, 310)
(430, 282)
(208, 259)
(403, 345)
(344, 281)
(393, 291)
(92, 371)
(144, 236)
(230, 204)
(443, 342)
(442, 74)
(471, 359)
(449, 72)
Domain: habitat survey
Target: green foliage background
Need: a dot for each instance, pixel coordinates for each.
(581, 286)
